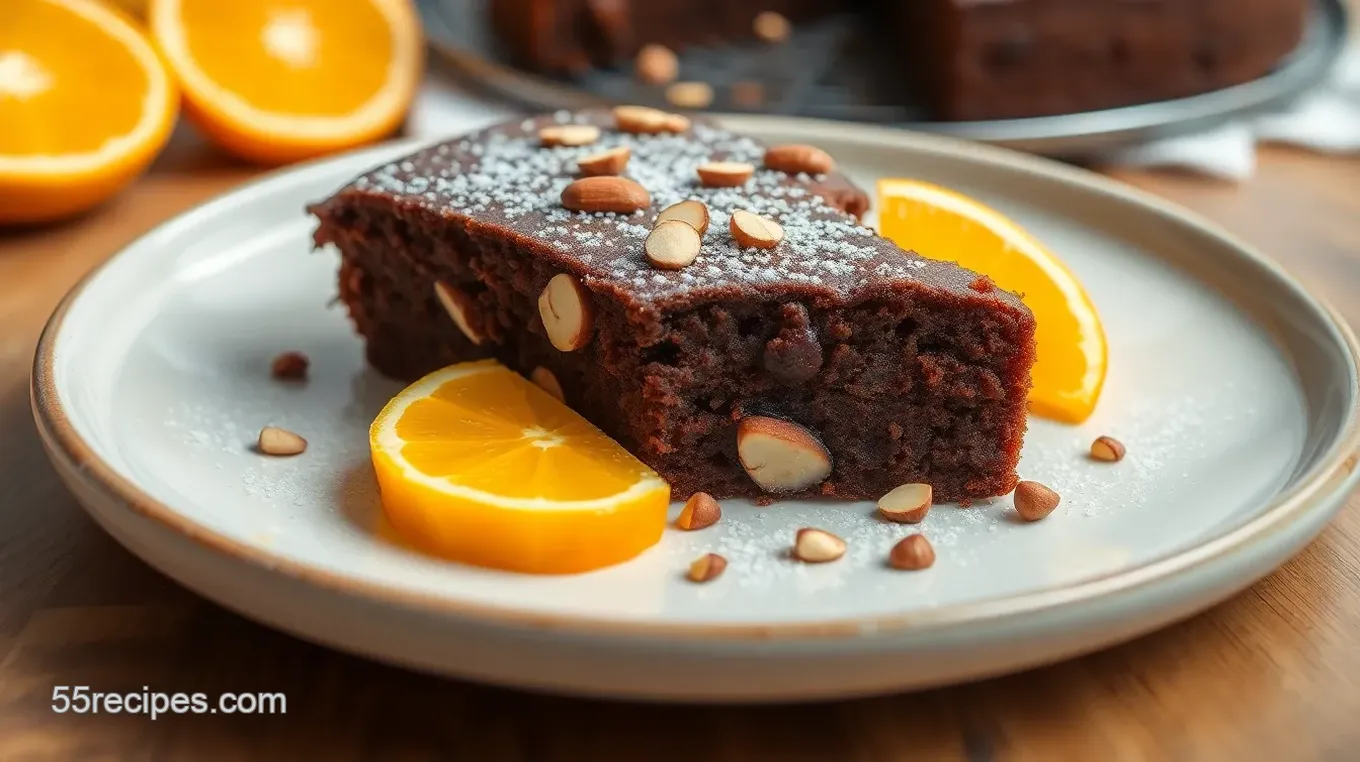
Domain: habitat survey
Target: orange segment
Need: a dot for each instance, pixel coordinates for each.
(70, 139)
(479, 465)
(279, 80)
(941, 224)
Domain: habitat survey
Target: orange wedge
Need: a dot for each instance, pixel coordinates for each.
(85, 105)
(941, 224)
(479, 465)
(275, 81)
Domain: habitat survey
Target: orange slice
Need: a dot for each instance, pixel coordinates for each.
(70, 139)
(941, 224)
(275, 81)
(479, 465)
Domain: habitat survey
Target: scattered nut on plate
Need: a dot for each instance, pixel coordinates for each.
(912, 553)
(691, 211)
(656, 64)
(907, 504)
(795, 158)
(1107, 449)
(691, 95)
(567, 311)
(605, 194)
(644, 120)
(568, 135)
(817, 546)
(781, 456)
(280, 442)
(700, 511)
(1034, 501)
(725, 174)
(707, 568)
(750, 230)
(290, 366)
(459, 307)
(672, 245)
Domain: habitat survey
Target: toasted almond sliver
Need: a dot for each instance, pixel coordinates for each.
(907, 504)
(750, 230)
(611, 162)
(1107, 449)
(605, 194)
(692, 212)
(569, 135)
(459, 306)
(656, 64)
(779, 455)
(567, 311)
(691, 95)
(706, 568)
(725, 174)
(672, 245)
(817, 546)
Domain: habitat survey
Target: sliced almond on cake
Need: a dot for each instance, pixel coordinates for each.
(605, 163)
(692, 212)
(605, 194)
(781, 456)
(672, 245)
(569, 135)
(725, 174)
(567, 312)
(795, 159)
(750, 230)
(459, 306)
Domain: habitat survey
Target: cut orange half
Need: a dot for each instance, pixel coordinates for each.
(938, 223)
(478, 465)
(275, 81)
(85, 105)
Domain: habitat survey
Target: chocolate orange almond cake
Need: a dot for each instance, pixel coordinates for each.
(713, 305)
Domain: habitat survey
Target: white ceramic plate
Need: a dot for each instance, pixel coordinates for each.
(1234, 390)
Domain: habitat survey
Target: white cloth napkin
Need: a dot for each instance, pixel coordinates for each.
(1326, 120)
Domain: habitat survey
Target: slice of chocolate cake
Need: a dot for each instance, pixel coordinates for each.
(812, 359)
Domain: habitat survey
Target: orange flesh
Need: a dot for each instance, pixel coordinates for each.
(65, 83)
(291, 56)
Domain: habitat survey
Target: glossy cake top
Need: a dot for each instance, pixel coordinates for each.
(504, 177)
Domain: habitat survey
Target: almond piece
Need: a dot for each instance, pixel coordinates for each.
(700, 511)
(751, 230)
(907, 504)
(707, 568)
(725, 174)
(1107, 449)
(567, 312)
(817, 546)
(691, 212)
(545, 380)
(605, 163)
(748, 93)
(796, 158)
(781, 456)
(569, 135)
(656, 64)
(459, 306)
(672, 245)
(1034, 501)
(605, 194)
(280, 442)
(912, 553)
(691, 95)
(290, 366)
(642, 120)
(771, 27)
(676, 123)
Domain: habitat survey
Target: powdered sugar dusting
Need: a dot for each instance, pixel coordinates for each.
(504, 176)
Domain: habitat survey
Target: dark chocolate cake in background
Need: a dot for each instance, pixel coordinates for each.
(970, 59)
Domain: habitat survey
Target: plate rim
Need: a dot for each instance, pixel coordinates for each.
(1328, 474)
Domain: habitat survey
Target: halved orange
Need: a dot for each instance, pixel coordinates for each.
(275, 81)
(1072, 356)
(85, 106)
(478, 465)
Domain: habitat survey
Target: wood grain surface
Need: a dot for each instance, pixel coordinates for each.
(1273, 674)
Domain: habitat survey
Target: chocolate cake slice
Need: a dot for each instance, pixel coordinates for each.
(832, 364)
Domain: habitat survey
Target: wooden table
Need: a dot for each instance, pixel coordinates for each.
(1273, 674)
